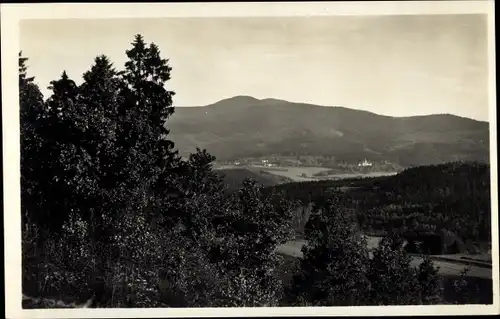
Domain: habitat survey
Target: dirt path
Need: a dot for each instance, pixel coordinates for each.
(447, 266)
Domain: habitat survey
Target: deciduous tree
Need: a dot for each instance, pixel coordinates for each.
(247, 233)
(333, 268)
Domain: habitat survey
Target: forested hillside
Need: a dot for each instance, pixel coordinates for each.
(422, 200)
(233, 178)
(228, 129)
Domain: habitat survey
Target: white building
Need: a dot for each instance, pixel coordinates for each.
(365, 163)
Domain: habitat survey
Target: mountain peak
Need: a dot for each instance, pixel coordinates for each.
(245, 100)
(273, 101)
(237, 100)
(244, 127)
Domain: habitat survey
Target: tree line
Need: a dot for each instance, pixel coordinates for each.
(420, 202)
(111, 212)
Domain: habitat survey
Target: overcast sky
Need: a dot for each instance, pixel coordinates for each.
(391, 65)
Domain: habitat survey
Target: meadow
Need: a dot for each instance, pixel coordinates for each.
(305, 173)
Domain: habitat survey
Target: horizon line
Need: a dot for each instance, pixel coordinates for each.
(326, 106)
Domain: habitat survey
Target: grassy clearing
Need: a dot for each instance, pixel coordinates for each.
(450, 265)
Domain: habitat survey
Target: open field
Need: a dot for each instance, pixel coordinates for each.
(291, 172)
(482, 258)
(303, 173)
(480, 279)
(449, 265)
(306, 173)
(292, 248)
(448, 268)
(356, 175)
(297, 174)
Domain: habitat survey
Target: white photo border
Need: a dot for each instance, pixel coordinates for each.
(12, 14)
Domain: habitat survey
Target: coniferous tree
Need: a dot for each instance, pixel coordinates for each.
(31, 110)
(104, 149)
(147, 107)
(147, 161)
(98, 180)
(31, 107)
(58, 155)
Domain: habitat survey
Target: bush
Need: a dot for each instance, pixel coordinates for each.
(333, 270)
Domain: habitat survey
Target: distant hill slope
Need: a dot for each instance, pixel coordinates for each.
(453, 196)
(244, 127)
(233, 178)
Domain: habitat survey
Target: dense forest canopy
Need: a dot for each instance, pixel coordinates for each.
(452, 196)
(112, 213)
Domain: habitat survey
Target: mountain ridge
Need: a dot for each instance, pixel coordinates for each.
(244, 126)
(282, 101)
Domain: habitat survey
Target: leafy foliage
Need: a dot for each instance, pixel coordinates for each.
(393, 280)
(467, 291)
(247, 234)
(333, 270)
(336, 269)
(431, 283)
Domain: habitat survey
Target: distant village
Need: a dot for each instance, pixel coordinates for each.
(275, 162)
(365, 163)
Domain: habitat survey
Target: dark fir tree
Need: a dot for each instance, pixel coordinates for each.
(143, 159)
(98, 170)
(147, 159)
(58, 155)
(147, 106)
(31, 110)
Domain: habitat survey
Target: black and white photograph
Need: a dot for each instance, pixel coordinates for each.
(259, 158)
